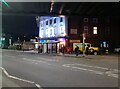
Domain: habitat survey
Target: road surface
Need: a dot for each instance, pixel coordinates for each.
(59, 71)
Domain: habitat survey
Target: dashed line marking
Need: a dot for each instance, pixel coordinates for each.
(104, 68)
(48, 59)
(97, 72)
(20, 79)
(10, 56)
(36, 61)
(108, 73)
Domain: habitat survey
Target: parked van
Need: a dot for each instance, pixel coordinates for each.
(82, 47)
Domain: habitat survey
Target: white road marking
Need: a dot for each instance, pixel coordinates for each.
(20, 79)
(97, 72)
(104, 68)
(36, 61)
(101, 68)
(47, 59)
(108, 73)
(13, 77)
(38, 85)
(10, 56)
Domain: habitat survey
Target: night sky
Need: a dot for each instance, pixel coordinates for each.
(18, 26)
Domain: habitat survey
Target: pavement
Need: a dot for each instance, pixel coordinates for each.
(110, 56)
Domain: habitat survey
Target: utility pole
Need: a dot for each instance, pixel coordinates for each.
(84, 45)
(18, 39)
(10, 41)
(24, 38)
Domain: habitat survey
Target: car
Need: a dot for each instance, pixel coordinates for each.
(94, 50)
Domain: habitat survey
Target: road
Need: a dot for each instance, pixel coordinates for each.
(59, 71)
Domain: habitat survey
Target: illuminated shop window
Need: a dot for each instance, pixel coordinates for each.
(94, 30)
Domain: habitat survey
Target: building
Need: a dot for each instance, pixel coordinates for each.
(53, 33)
(58, 31)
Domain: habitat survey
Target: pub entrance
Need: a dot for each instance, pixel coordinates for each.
(51, 47)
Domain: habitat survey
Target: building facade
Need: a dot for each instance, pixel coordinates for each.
(56, 32)
(53, 33)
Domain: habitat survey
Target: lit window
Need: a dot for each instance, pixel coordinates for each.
(85, 19)
(94, 30)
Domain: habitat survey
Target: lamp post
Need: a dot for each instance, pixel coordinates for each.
(24, 38)
(18, 39)
(84, 44)
(10, 41)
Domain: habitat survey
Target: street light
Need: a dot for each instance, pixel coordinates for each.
(24, 38)
(10, 41)
(18, 39)
(84, 44)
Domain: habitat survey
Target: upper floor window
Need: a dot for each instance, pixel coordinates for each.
(50, 21)
(94, 30)
(95, 20)
(61, 19)
(46, 22)
(85, 19)
(55, 20)
(41, 25)
(86, 29)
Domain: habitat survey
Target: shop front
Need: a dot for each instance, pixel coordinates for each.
(52, 46)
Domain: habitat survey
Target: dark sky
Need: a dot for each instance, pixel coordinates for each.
(19, 25)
